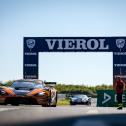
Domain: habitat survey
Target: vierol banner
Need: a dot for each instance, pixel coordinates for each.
(34, 45)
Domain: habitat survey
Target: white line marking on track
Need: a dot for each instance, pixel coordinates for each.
(6, 109)
(92, 111)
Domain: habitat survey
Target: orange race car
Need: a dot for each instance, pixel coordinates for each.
(29, 92)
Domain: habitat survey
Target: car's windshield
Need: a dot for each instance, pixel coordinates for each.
(26, 84)
(79, 96)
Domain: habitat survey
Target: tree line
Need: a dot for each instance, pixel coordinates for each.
(82, 89)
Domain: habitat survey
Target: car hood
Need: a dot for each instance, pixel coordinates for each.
(21, 92)
(80, 99)
(76, 99)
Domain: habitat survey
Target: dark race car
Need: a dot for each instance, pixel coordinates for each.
(29, 92)
(80, 99)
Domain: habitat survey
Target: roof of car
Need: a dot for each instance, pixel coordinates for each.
(79, 95)
(30, 80)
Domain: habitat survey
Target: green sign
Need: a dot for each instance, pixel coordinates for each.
(107, 98)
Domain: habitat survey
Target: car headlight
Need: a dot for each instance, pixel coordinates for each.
(41, 94)
(46, 88)
(73, 100)
(84, 100)
(2, 92)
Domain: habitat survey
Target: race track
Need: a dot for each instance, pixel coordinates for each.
(61, 116)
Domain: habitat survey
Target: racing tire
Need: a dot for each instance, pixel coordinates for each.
(71, 103)
(3, 103)
(55, 101)
(49, 102)
(89, 103)
(14, 104)
(53, 106)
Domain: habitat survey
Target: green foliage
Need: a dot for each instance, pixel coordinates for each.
(1, 84)
(81, 89)
(63, 102)
(8, 83)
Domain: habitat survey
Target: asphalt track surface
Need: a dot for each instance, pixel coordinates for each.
(78, 115)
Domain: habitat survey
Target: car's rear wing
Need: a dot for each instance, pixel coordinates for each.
(50, 84)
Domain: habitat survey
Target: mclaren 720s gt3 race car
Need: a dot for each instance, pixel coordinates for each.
(29, 92)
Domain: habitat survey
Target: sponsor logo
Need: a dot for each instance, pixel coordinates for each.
(30, 76)
(120, 53)
(120, 65)
(30, 53)
(30, 65)
(106, 98)
(120, 43)
(30, 43)
(123, 98)
(122, 76)
(77, 44)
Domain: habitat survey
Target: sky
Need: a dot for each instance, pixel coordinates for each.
(60, 18)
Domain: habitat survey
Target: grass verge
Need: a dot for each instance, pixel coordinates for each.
(63, 102)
